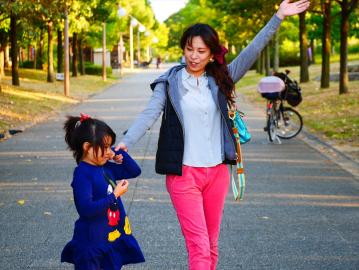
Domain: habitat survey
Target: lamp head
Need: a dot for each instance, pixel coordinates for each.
(121, 12)
(134, 22)
(141, 28)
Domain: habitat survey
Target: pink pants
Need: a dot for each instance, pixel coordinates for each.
(198, 197)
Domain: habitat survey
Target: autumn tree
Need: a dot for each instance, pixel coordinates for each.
(304, 71)
(347, 7)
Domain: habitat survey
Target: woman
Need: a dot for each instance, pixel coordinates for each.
(195, 140)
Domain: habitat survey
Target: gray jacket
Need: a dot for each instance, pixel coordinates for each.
(237, 68)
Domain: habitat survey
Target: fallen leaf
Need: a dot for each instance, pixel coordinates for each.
(21, 202)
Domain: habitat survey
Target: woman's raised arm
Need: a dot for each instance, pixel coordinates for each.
(243, 62)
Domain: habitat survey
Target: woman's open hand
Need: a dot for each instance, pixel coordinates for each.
(287, 8)
(121, 146)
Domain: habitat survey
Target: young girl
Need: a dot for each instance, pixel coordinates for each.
(102, 236)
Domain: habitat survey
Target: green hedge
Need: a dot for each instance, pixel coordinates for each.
(353, 48)
(93, 69)
(285, 59)
(26, 64)
(289, 59)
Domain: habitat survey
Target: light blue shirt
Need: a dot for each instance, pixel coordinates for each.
(202, 123)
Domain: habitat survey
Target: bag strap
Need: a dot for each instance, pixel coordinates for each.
(108, 179)
(238, 192)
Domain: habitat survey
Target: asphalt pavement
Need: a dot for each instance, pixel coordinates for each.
(300, 209)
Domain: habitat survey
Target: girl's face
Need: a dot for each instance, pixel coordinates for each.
(98, 158)
(197, 56)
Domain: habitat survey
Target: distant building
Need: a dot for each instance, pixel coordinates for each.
(97, 57)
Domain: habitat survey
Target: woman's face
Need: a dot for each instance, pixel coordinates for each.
(197, 56)
(99, 158)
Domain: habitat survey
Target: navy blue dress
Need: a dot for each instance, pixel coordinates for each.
(102, 236)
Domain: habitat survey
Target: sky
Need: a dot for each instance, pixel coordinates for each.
(165, 8)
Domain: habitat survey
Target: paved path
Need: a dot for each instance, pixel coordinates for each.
(300, 210)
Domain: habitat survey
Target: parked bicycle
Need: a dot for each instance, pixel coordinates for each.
(283, 122)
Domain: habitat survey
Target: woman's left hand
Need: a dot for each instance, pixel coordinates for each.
(287, 8)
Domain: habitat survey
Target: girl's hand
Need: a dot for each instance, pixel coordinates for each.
(121, 188)
(121, 146)
(118, 158)
(287, 8)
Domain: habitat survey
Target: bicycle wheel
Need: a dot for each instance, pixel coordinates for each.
(272, 126)
(289, 124)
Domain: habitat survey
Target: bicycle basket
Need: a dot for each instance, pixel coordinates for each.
(271, 87)
(293, 94)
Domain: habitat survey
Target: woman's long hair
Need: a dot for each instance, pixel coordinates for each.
(215, 69)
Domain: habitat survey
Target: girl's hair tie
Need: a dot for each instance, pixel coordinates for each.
(219, 57)
(83, 117)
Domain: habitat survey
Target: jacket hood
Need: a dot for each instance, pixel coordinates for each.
(167, 75)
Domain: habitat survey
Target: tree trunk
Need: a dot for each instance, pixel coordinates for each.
(267, 49)
(276, 53)
(14, 50)
(41, 49)
(344, 29)
(312, 48)
(258, 65)
(325, 77)
(2, 64)
(304, 72)
(81, 57)
(21, 53)
(74, 55)
(35, 55)
(50, 54)
(6, 57)
(104, 51)
(263, 62)
(60, 52)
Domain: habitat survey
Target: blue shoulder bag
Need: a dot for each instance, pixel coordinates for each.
(242, 136)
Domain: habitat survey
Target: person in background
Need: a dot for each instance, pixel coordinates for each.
(158, 62)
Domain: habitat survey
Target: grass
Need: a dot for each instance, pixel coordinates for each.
(324, 111)
(35, 99)
(336, 57)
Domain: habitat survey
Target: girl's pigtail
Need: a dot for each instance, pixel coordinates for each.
(79, 130)
(69, 127)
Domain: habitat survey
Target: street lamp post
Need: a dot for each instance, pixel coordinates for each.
(104, 75)
(120, 55)
(121, 13)
(138, 47)
(148, 47)
(133, 23)
(66, 56)
(140, 29)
